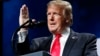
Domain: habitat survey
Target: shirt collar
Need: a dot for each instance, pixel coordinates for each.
(65, 32)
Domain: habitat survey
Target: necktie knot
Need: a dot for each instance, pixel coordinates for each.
(58, 35)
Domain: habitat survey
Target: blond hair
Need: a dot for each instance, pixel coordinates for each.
(65, 5)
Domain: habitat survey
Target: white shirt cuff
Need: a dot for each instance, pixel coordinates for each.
(22, 36)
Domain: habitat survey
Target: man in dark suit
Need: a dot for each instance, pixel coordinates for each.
(59, 17)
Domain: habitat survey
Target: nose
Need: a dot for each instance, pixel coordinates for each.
(51, 18)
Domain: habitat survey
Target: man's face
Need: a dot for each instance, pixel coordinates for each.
(55, 18)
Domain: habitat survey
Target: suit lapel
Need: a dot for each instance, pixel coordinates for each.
(69, 44)
(49, 43)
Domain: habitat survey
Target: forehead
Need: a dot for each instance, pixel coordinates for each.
(54, 7)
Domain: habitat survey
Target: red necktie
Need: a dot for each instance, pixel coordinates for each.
(55, 50)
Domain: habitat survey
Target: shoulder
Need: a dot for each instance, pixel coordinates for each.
(86, 34)
(88, 37)
(83, 35)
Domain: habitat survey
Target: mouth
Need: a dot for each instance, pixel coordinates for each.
(52, 23)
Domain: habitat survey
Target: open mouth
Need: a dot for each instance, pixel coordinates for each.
(52, 23)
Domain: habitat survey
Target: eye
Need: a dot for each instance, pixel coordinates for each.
(55, 13)
(48, 13)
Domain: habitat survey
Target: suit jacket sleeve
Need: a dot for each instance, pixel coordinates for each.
(37, 44)
(23, 48)
(91, 49)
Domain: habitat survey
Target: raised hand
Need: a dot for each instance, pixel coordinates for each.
(24, 15)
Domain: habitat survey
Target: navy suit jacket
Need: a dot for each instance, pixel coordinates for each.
(78, 44)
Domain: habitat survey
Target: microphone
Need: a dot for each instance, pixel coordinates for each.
(35, 24)
(30, 25)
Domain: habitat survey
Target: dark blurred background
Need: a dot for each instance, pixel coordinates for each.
(86, 18)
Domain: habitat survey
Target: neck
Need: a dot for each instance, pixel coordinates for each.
(61, 31)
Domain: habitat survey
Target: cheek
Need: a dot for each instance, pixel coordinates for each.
(47, 17)
(62, 22)
(59, 21)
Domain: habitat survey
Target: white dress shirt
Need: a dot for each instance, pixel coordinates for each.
(65, 34)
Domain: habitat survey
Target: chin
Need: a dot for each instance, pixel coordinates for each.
(52, 30)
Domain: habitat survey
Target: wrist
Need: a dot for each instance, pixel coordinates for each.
(23, 29)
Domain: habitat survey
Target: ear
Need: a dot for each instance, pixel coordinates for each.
(67, 20)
